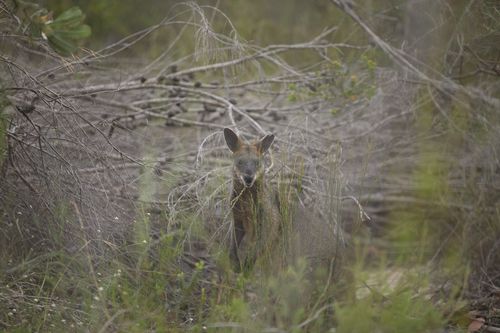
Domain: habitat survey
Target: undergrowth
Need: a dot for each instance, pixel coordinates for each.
(156, 288)
(180, 278)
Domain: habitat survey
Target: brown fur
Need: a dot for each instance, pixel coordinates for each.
(255, 214)
(257, 222)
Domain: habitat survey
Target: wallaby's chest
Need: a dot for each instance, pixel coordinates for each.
(248, 210)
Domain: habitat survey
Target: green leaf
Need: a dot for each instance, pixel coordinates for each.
(61, 45)
(66, 30)
(81, 32)
(70, 16)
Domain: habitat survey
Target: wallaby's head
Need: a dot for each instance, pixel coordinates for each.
(248, 161)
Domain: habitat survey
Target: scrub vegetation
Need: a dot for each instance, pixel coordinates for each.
(116, 178)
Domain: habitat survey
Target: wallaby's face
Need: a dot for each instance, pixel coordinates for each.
(248, 161)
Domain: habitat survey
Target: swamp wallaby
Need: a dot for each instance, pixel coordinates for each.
(259, 227)
(255, 212)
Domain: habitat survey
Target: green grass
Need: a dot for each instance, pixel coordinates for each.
(160, 284)
(63, 293)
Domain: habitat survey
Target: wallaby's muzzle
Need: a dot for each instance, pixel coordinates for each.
(248, 180)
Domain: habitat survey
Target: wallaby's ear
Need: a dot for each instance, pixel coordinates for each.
(264, 144)
(232, 140)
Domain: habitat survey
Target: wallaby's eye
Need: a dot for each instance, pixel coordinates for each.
(240, 162)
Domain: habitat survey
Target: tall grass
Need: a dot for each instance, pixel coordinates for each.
(179, 278)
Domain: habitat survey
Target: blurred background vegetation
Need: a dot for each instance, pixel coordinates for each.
(405, 122)
(260, 22)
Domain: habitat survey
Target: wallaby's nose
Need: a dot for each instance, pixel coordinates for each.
(248, 180)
